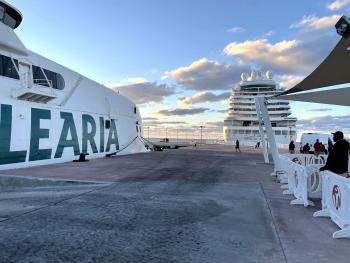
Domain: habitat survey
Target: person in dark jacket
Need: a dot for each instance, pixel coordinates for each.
(291, 147)
(330, 145)
(237, 146)
(306, 148)
(338, 157)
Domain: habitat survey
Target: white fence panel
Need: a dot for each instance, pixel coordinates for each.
(303, 182)
(336, 202)
(308, 159)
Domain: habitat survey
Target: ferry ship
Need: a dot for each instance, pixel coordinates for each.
(242, 122)
(51, 114)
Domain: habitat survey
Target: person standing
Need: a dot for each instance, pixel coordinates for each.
(338, 157)
(306, 148)
(291, 147)
(237, 146)
(330, 145)
(317, 147)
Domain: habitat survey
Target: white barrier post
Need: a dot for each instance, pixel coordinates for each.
(303, 181)
(336, 202)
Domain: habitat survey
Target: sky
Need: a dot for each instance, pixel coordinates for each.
(179, 59)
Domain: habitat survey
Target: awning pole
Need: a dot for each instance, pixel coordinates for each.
(261, 101)
(262, 133)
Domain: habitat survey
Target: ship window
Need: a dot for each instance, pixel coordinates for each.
(38, 77)
(278, 132)
(7, 68)
(284, 133)
(9, 20)
(108, 124)
(55, 79)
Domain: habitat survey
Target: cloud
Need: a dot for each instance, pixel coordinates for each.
(222, 111)
(214, 125)
(144, 92)
(317, 110)
(289, 81)
(312, 22)
(157, 123)
(181, 112)
(201, 97)
(205, 74)
(134, 80)
(295, 56)
(236, 29)
(325, 123)
(338, 4)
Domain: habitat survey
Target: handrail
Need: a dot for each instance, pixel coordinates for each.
(42, 82)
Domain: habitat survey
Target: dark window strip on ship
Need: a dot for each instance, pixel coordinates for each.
(47, 78)
(8, 68)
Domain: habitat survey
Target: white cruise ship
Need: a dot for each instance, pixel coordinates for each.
(242, 122)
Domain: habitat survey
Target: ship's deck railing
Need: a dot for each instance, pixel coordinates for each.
(301, 177)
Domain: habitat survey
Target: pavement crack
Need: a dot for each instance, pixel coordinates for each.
(273, 222)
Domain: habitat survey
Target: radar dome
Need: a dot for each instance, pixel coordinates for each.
(244, 76)
(269, 74)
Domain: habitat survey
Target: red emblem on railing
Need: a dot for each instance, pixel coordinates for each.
(336, 196)
(296, 160)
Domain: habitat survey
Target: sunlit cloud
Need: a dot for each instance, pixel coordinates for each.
(312, 22)
(338, 4)
(202, 97)
(181, 112)
(144, 92)
(291, 57)
(325, 123)
(205, 74)
(289, 81)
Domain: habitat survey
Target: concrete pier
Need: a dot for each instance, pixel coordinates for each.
(196, 204)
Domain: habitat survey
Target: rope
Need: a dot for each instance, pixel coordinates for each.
(114, 153)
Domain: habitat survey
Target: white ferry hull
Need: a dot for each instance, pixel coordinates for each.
(51, 114)
(32, 135)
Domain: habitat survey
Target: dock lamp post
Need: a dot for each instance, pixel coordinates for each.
(290, 133)
(201, 133)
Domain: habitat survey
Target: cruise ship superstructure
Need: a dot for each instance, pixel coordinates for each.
(242, 122)
(50, 114)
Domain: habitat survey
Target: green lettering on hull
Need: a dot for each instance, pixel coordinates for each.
(6, 155)
(68, 126)
(88, 136)
(112, 137)
(102, 135)
(36, 133)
